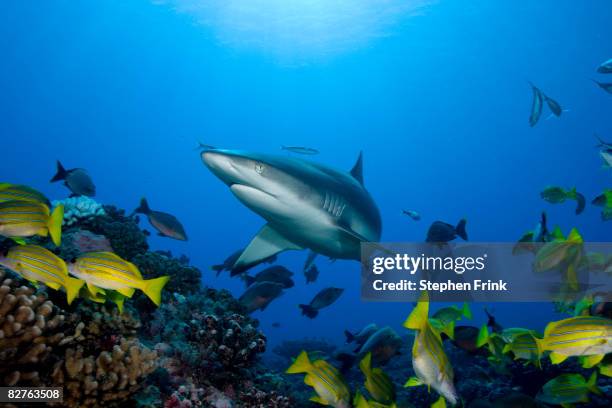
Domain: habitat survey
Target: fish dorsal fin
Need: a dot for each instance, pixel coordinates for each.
(357, 170)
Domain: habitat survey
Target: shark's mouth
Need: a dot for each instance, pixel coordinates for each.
(250, 195)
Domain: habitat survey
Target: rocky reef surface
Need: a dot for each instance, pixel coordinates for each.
(198, 349)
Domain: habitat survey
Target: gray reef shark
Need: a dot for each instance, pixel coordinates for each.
(305, 204)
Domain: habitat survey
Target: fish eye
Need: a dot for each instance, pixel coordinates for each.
(259, 167)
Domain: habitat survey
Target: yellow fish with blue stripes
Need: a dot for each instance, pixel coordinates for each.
(107, 270)
(588, 336)
(327, 382)
(523, 346)
(19, 192)
(378, 384)
(429, 361)
(568, 389)
(39, 265)
(28, 218)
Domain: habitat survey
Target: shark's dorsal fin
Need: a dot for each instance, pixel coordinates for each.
(266, 243)
(357, 170)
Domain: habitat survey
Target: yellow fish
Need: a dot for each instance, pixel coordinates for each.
(360, 402)
(106, 270)
(568, 389)
(325, 379)
(524, 347)
(577, 336)
(18, 192)
(378, 384)
(429, 360)
(27, 218)
(37, 264)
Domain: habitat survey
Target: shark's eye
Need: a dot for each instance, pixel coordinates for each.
(259, 168)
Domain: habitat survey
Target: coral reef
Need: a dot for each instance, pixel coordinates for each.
(30, 326)
(77, 209)
(185, 279)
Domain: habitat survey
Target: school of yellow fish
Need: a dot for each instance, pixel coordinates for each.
(96, 276)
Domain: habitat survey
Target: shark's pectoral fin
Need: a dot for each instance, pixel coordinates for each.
(358, 237)
(267, 242)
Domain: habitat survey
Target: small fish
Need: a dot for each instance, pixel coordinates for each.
(384, 344)
(201, 146)
(330, 387)
(276, 273)
(18, 192)
(378, 384)
(604, 199)
(229, 262)
(523, 346)
(107, 270)
(441, 232)
(37, 264)
(28, 218)
(554, 106)
(362, 335)
(321, 300)
(309, 151)
(577, 336)
(492, 322)
(560, 252)
(77, 180)
(311, 274)
(536, 107)
(259, 295)
(444, 319)
(568, 389)
(495, 344)
(606, 86)
(429, 361)
(557, 195)
(606, 67)
(606, 155)
(466, 338)
(412, 214)
(539, 234)
(167, 225)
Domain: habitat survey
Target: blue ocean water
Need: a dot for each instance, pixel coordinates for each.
(436, 97)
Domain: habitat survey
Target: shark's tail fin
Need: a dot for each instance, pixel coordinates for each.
(309, 311)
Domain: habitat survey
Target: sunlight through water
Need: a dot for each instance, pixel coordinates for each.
(299, 31)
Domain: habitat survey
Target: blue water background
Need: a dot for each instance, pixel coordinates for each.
(439, 108)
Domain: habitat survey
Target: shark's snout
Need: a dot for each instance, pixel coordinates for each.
(221, 165)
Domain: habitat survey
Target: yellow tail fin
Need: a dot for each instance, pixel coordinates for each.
(73, 286)
(153, 287)
(366, 364)
(55, 224)
(483, 336)
(418, 318)
(467, 313)
(301, 364)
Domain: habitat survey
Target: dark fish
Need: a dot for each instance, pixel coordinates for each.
(311, 274)
(536, 107)
(466, 338)
(276, 273)
(321, 300)
(384, 344)
(442, 232)
(412, 214)
(492, 323)
(554, 106)
(300, 150)
(229, 262)
(166, 224)
(362, 335)
(260, 294)
(606, 67)
(77, 180)
(606, 86)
